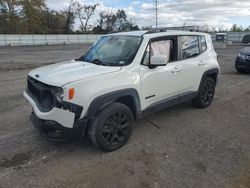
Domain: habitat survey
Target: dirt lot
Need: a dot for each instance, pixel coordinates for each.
(188, 147)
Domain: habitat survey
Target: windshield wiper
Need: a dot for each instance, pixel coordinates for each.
(79, 59)
(98, 62)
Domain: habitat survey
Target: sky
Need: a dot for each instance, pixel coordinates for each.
(217, 13)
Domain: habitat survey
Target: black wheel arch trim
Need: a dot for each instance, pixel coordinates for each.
(209, 72)
(104, 100)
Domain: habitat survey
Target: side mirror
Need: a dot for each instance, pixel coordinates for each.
(159, 60)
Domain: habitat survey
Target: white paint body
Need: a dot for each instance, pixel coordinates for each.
(91, 81)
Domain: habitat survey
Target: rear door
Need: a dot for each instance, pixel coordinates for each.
(193, 60)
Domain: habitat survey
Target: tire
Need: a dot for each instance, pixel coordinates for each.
(206, 94)
(239, 70)
(112, 127)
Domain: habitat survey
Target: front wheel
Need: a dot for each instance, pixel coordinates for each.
(239, 70)
(112, 127)
(206, 94)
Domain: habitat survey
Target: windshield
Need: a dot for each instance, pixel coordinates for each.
(113, 50)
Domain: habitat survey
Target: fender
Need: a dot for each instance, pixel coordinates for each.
(104, 100)
(205, 74)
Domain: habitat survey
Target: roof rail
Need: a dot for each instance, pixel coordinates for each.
(158, 30)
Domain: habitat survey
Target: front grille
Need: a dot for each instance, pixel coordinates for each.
(44, 96)
(41, 93)
(33, 90)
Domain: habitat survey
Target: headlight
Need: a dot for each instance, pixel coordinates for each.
(242, 56)
(59, 95)
(73, 108)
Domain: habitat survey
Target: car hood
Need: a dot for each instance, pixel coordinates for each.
(245, 50)
(66, 72)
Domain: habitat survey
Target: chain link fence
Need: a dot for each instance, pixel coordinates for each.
(235, 37)
(24, 40)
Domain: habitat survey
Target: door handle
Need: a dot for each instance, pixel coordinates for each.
(175, 70)
(202, 63)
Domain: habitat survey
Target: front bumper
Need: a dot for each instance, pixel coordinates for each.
(61, 116)
(53, 131)
(241, 64)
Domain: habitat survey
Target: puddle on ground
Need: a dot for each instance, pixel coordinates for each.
(16, 160)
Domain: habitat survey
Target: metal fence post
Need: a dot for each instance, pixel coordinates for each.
(33, 40)
(46, 42)
(5, 41)
(20, 40)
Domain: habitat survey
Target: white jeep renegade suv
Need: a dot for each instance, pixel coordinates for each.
(119, 79)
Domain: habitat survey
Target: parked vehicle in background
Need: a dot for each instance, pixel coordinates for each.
(242, 62)
(246, 39)
(221, 37)
(121, 78)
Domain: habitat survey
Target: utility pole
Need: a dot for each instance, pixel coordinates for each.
(184, 25)
(156, 3)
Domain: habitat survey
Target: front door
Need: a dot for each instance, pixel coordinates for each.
(160, 83)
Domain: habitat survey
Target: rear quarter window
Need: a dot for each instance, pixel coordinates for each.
(203, 44)
(189, 46)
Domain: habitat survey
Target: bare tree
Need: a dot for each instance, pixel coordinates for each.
(10, 15)
(115, 21)
(84, 13)
(70, 17)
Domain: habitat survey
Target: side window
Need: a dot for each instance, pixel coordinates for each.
(203, 43)
(162, 47)
(189, 46)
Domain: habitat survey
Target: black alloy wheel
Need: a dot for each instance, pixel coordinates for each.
(116, 128)
(206, 93)
(112, 128)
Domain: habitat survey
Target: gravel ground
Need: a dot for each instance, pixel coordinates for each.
(188, 147)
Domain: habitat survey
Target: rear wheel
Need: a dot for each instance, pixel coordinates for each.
(206, 93)
(112, 127)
